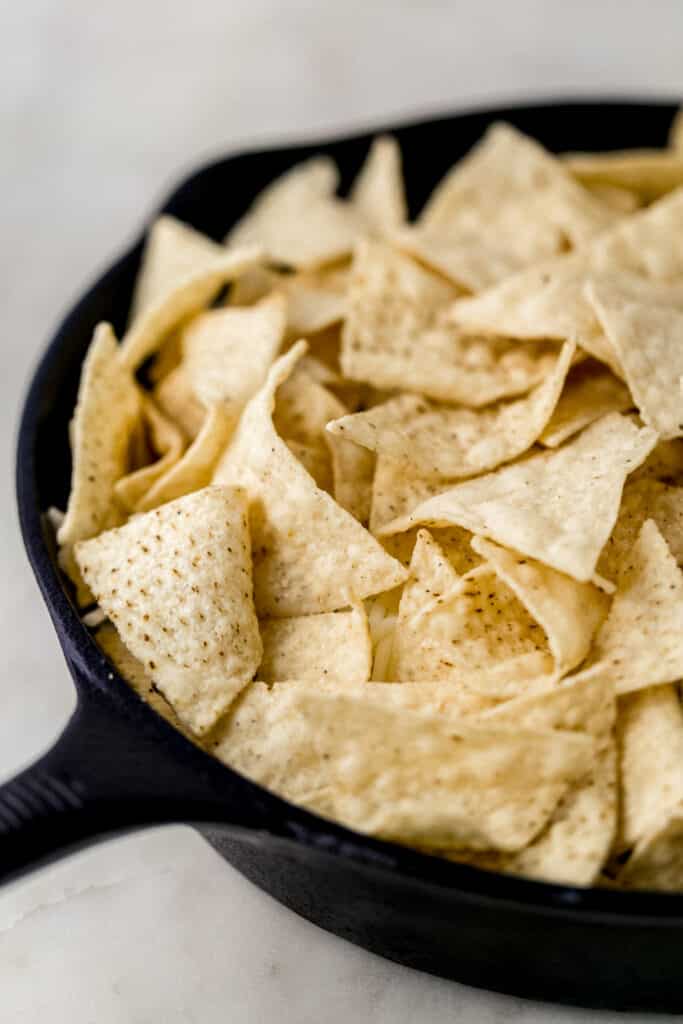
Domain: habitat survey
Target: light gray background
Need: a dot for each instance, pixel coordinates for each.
(102, 106)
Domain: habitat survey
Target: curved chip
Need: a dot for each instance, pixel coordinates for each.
(310, 555)
(559, 507)
(176, 583)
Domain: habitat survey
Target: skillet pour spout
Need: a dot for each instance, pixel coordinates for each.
(118, 766)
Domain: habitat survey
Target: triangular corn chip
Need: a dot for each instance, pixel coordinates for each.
(103, 423)
(396, 491)
(333, 646)
(470, 629)
(377, 192)
(643, 498)
(590, 391)
(622, 200)
(573, 846)
(176, 583)
(639, 644)
(303, 408)
(676, 132)
(396, 336)
(455, 544)
(176, 399)
(547, 301)
(195, 469)
(453, 443)
(182, 271)
(315, 300)
(167, 442)
(173, 251)
(657, 861)
(353, 471)
(309, 554)
(315, 461)
(568, 612)
(650, 173)
(647, 339)
(650, 729)
(227, 352)
(559, 507)
(166, 359)
(507, 190)
(298, 220)
(253, 285)
(134, 672)
(463, 259)
(413, 776)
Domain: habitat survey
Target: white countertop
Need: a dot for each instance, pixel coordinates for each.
(102, 107)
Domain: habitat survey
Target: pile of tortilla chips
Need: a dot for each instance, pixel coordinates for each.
(388, 516)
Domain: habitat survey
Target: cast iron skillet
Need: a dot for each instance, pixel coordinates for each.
(118, 766)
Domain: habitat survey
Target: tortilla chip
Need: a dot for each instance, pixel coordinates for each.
(639, 644)
(396, 491)
(643, 498)
(650, 728)
(590, 391)
(315, 300)
(650, 173)
(166, 359)
(664, 463)
(573, 846)
(454, 443)
(105, 417)
(396, 336)
(303, 408)
(558, 507)
(227, 352)
(463, 259)
(298, 220)
(309, 554)
(647, 340)
(176, 399)
(657, 861)
(568, 612)
(547, 301)
(194, 470)
(186, 296)
(455, 544)
(315, 461)
(176, 583)
(510, 190)
(134, 672)
(470, 629)
(622, 200)
(253, 285)
(168, 444)
(378, 194)
(412, 776)
(353, 471)
(334, 647)
(173, 252)
(676, 132)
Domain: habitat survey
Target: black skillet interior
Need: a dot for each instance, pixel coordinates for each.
(118, 766)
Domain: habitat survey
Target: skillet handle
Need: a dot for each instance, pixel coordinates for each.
(114, 769)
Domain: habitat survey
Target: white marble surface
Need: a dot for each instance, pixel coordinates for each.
(101, 107)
